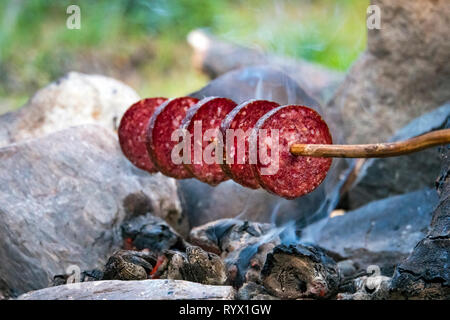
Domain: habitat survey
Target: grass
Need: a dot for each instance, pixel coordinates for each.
(142, 42)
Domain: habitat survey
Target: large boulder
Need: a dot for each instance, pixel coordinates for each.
(403, 73)
(258, 82)
(425, 274)
(216, 57)
(204, 203)
(62, 200)
(382, 233)
(72, 100)
(384, 177)
(133, 290)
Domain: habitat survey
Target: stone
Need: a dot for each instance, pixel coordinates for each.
(73, 99)
(382, 233)
(216, 57)
(380, 178)
(133, 290)
(62, 203)
(403, 73)
(425, 274)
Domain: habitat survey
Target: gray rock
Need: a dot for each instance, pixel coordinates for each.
(382, 233)
(62, 202)
(403, 73)
(204, 203)
(133, 290)
(384, 177)
(216, 57)
(425, 274)
(72, 100)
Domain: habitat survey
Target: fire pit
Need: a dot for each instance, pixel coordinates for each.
(84, 215)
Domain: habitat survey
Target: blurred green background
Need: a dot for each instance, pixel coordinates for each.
(143, 42)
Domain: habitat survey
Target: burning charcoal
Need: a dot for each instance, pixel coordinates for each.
(227, 235)
(254, 291)
(204, 266)
(150, 232)
(174, 264)
(245, 263)
(242, 244)
(245, 256)
(208, 236)
(243, 234)
(300, 271)
(257, 262)
(195, 265)
(129, 265)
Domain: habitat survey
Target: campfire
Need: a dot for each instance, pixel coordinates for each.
(161, 198)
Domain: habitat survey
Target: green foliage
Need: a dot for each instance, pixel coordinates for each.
(36, 47)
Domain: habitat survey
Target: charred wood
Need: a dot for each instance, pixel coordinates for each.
(425, 274)
(195, 265)
(300, 271)
(242, 244)
(254, 291)
(129, 265)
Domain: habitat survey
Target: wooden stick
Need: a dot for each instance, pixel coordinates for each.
(376, 150)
